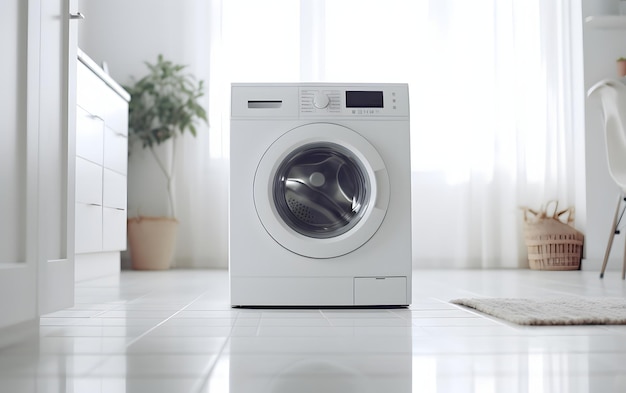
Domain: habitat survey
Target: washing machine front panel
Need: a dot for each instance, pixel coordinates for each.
(288, 142)
(321, 190)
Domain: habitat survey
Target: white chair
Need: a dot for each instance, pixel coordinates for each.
(612, 95)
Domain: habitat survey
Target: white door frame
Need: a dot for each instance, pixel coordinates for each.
(41, 278)
(58, 51)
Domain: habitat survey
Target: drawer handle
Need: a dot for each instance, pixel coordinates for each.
(77, 16)
(110, 208)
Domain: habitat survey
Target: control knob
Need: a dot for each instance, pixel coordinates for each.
(320, 100)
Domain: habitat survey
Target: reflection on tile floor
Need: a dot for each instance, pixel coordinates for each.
(175, 332)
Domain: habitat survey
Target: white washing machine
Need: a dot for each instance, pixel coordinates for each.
(320, 198)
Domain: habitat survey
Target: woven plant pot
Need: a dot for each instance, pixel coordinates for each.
(152, 241)
(552, 244)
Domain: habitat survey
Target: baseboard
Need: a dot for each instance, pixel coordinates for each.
(96, 265)
(595, 265)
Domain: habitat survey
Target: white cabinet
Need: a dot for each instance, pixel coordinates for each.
(101, 169)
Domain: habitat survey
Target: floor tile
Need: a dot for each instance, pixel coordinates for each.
(148, 365)
(174, 331)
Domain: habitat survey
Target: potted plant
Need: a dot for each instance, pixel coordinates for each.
(164, 104)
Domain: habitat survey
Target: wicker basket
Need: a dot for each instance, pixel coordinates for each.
(552, 244)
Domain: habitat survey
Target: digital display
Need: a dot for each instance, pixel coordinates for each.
(364, 99)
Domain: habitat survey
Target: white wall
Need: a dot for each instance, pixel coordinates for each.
(601, 49)
(125, 34)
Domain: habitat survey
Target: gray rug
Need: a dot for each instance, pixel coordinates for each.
(552, 311)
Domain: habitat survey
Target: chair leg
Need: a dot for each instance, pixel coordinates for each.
(611, 237)
(624, 263)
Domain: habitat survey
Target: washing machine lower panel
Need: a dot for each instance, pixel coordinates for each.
(319, 291)
(262, 273)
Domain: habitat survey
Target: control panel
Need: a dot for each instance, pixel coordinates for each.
(367, 100)
(319, 100)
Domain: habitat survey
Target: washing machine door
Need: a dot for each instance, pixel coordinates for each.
(321, 190)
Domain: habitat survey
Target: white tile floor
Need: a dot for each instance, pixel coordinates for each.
(175, 332)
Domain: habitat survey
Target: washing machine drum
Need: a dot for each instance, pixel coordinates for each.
(321, 190)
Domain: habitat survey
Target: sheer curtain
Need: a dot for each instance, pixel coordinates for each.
(493, 128)
(490, 85)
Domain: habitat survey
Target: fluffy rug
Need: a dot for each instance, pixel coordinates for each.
(552, 311)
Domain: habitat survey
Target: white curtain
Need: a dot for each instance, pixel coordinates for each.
(493, 129)
(491, 114)
(201, 178)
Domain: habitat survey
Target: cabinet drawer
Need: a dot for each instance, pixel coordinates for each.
(88, 228)
(89, 88)
(114, 229)
(88, 182)
(89, 136)
(114, 189)
(116, 112)
(115, 151)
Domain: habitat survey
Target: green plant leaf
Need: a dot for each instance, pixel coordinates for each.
(164, 103)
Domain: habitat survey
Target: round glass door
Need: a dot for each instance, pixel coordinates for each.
(321, 190)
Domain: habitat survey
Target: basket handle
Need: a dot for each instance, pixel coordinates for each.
(556, 215)
(527, 210)
(570, 215)
(554, 212)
